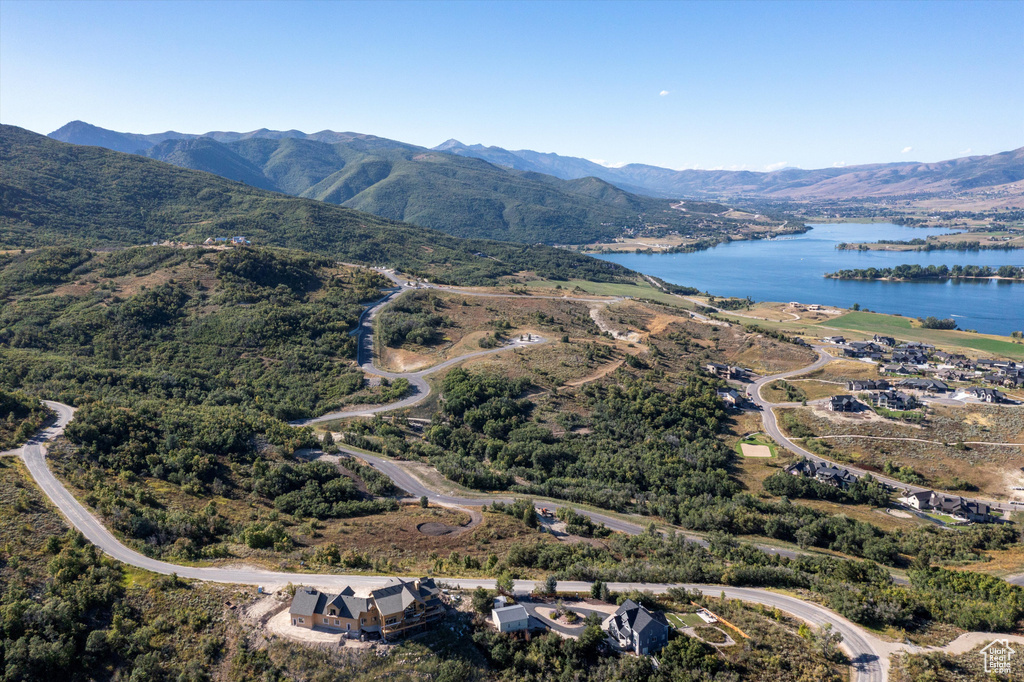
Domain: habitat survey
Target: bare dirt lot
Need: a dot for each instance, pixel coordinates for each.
(755, 450)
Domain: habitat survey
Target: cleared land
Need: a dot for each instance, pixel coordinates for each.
(933, 449)
(751, 450)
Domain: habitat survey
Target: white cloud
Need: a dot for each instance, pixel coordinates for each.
(906, 150)
(775, 166)
(734, 167)
(967, 151)
(663, 93)
(838, 164)
(609, 164)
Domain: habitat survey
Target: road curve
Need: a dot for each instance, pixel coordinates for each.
(862, 650)
(771, 427)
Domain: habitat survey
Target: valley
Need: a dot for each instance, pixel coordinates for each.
(335, 399)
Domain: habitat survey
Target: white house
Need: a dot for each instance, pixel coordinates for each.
(511, 618)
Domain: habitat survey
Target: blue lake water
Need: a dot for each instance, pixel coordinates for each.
(792, 268)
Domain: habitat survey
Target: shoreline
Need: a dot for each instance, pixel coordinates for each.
(828, 275)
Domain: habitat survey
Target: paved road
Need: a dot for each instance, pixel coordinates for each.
(420, 389)
(857, 642)
(771, 427)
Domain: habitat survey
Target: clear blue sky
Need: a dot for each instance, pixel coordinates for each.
(748, 84)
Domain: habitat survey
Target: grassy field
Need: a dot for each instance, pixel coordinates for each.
(902, 329)
(683, 620)
(899, 327)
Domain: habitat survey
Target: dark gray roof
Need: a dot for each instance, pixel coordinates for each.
(401, 594)
(349, 606)
(393, 599)
(308, 601)
(638, 619)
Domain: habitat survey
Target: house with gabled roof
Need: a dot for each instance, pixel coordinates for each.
(823, 472)
(860, 385)
(927, 385)
(981, 393)
(894, 400)
(953, 505)
(898, 369)
(843, 403)
(636, 628)
(405, 604)
(511, 618)
(393, 609)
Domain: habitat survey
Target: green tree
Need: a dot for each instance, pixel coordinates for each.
(481, 601)
(505, 583)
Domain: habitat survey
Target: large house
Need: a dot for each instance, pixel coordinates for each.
(863, 349)
(898, 369)
(398, 607)
(909, 357)
(885, 340)
(982, 393)
(727, 371)
(823, 472)
(927, 385)
(955, 506)
(894, 400)
(842, 403)
(636, 628)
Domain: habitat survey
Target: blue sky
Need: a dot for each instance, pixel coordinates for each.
(752, 85)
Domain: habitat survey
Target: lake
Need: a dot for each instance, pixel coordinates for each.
(792, 268)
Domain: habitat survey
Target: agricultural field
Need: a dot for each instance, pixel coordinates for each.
(905, 329)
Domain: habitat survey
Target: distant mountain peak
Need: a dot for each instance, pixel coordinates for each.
(450, 143)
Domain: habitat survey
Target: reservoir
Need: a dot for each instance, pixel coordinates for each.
(791, 269)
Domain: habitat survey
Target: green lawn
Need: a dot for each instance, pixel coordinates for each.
(901, 328)
(683, 620)
(944, 518)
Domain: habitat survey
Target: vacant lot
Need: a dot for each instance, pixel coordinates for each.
(933, 450)
(842, 371)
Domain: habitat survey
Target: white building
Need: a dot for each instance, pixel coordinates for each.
(511, 618)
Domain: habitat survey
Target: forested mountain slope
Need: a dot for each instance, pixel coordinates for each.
(55, 193)
(460, 195)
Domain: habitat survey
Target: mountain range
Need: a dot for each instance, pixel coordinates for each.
(966, 174)
(463, 196)
(54, 193)
(874, 180)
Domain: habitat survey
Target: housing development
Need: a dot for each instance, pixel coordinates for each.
(511, 342)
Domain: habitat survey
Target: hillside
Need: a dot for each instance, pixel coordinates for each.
(53, 193)
(964, 174)
(460, 195)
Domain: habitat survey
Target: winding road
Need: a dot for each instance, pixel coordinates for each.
(771, 427)
(862, 647)
(868, 654)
